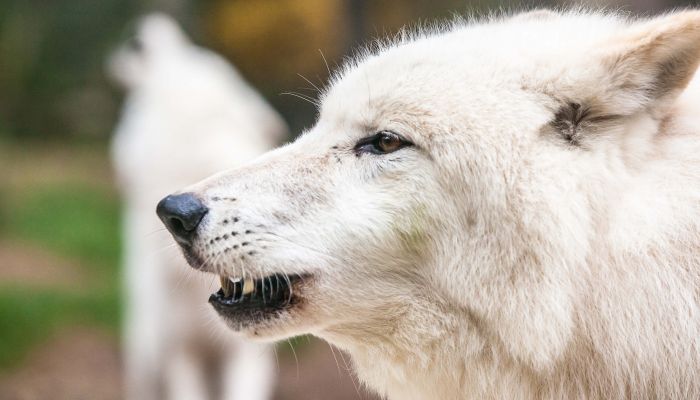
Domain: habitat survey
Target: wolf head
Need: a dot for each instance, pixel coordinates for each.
(456, 177)
(156, 41)
(188, 112)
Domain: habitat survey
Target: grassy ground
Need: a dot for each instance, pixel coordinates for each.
(61, 201)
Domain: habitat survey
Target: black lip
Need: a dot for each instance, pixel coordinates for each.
(272, 295)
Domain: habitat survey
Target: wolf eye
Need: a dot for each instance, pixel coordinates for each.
(383, 142)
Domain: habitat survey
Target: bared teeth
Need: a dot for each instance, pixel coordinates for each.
(248, 286)
(236, 287)
(226, 286)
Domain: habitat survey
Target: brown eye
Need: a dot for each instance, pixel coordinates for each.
(389, 142)
(383, 142)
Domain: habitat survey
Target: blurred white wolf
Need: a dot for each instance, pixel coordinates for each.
(498, 210)
(188, 114)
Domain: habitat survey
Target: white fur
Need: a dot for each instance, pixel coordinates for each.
(188, 113)
(500, 257)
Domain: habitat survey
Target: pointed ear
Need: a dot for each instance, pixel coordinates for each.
(644, 69)
(652, 62)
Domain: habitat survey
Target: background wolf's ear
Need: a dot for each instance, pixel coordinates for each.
(652, 62)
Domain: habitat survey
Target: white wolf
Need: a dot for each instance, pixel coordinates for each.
(504, 209)
(188, 114)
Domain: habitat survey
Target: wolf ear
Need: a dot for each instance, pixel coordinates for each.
(643, 69)
(652, 62)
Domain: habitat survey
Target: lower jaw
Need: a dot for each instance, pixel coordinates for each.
(271, 298)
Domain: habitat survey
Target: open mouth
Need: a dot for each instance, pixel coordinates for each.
(246, 301)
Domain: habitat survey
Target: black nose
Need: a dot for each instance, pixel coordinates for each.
(181, 214)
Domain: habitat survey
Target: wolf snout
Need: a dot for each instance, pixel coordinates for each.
(181, 214)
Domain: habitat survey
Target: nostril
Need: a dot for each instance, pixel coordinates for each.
(176, 225)
(181, 214)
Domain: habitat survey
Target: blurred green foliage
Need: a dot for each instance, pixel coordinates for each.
(79, 222)
(73, 220)
(28, 316)
(51, 57)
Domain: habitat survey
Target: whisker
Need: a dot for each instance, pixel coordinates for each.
(291, 346)
(310, 83)
(165, 248)
(325, 62)
(277, 358)
(337, 365)
(310, 100)
(154, 232)
(291, 289)
(352, 377)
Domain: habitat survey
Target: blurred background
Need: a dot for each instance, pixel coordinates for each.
(60, 297)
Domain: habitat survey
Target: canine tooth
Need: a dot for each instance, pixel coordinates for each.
(226, 286)
(248, 285)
